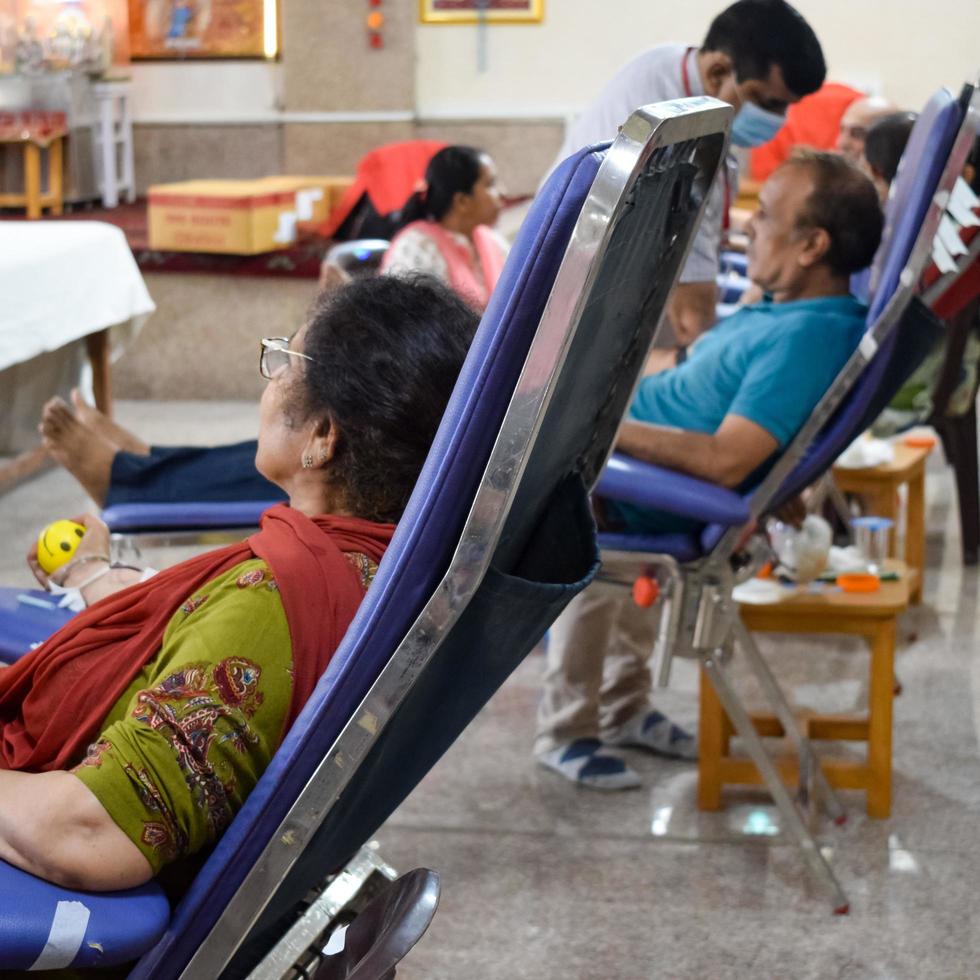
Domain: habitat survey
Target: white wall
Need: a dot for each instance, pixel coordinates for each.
(901, 48)
(206, 91)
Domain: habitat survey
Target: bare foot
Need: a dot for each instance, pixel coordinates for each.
(105, 427)
(79, 449)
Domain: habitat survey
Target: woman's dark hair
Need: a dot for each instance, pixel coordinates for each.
(885, 142)
(453, 170)
(757, 34)
(845, 204)
(386, 353)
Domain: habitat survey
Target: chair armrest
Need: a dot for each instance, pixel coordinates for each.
(44, 926)
(631, 482)
(185, 516)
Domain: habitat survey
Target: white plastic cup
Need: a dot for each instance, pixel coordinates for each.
(871, 540)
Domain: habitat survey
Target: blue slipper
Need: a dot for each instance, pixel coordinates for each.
(584, 762)
(656, 733)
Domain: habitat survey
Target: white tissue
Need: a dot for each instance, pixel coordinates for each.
(802, 552)
(865, 452)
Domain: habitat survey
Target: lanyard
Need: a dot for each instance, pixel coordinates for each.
(686, 83)
(685, 77)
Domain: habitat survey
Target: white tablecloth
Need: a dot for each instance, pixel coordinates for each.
(62, 280)
(59, 282)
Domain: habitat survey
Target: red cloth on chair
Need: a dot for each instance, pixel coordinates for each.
(54, 700)
(963, 291)
(966, 285)
(388, 175)
(814, 121)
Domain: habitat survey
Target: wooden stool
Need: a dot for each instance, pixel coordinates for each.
(871, 615)
(32, 198)
(878, 485)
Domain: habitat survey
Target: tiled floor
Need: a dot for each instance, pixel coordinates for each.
(541, 880)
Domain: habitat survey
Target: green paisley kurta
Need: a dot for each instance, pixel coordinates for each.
(186, 743)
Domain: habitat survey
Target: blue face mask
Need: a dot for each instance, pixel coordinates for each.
(754, 126)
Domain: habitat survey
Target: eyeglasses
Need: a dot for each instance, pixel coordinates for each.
(274, 355)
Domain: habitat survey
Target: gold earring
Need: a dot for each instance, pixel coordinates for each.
(307, 462)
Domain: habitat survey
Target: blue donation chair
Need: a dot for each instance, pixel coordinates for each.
(698, 570)
(496, 539)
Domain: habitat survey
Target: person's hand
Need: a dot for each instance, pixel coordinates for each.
(793, 512)
(94, 544)
(691, 310)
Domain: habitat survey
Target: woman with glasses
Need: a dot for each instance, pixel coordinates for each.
(131, 737)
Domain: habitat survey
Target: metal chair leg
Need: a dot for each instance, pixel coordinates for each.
(715, 669)
(670, 617)
(826, 490)
(811, 773)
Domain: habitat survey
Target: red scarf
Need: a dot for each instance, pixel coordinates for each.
(463, 275)
(54, 700)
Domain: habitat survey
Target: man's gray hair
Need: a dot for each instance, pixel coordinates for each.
(845, 204)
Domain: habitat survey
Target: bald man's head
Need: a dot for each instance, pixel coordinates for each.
(856, 122)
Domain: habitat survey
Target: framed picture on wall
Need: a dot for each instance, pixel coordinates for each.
(179, 29)
(471, 11)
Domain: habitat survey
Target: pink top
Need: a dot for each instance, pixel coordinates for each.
(472, 271)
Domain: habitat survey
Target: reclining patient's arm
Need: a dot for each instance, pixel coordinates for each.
(52, 825)
(178, 753)
(725, 457)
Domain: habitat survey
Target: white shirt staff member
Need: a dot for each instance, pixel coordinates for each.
(759, 56)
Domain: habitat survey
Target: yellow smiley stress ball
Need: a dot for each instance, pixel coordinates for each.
(57, 543)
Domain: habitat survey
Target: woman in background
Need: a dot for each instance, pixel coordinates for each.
(448, 226)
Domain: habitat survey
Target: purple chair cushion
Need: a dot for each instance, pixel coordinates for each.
(185, 516)
(682, 547)
(416, 559)
(24, 624)
(657, 488)
(44, 927)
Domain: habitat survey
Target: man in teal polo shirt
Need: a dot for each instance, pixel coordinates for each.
(719, 411)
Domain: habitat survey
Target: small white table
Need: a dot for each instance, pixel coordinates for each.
(113, 135)
(63, 284)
